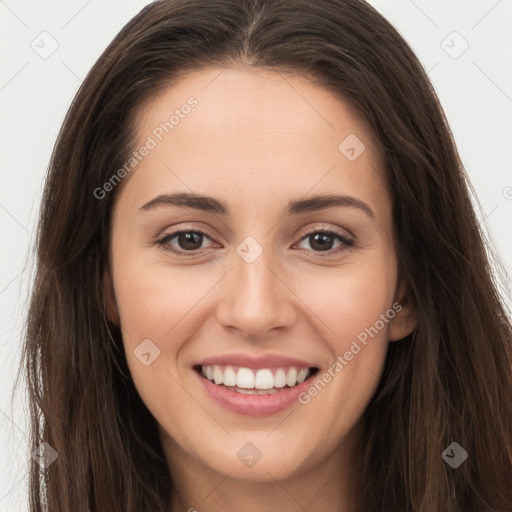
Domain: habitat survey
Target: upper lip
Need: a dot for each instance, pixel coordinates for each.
(255, 362)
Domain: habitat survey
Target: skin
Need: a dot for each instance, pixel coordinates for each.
(256, 140)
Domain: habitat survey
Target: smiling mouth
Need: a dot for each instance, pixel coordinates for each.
(249, 381)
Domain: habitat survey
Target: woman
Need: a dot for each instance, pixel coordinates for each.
(261, 284)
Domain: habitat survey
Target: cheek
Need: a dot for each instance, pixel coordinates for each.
(359, 307)
(153, 305)
(355, 308)
(152, 299)
(349, 299)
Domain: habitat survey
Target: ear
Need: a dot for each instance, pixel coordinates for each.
(406, 318)
(109, 298)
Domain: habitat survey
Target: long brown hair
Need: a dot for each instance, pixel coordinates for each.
(449, 381)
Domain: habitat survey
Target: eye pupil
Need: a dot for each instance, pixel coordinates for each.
(321, 236)
(190, 237)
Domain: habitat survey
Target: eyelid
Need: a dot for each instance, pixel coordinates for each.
(344, 233)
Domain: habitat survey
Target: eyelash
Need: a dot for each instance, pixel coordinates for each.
(347, 243)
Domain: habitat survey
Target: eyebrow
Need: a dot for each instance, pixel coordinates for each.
(294, 207)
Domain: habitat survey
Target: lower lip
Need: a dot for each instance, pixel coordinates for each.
(253, 405)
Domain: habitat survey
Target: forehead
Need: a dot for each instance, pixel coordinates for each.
(222, 130)
(248, 100)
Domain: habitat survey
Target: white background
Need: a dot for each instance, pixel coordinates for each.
(475, 90)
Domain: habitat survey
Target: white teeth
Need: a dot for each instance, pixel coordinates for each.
(218, 375)
(262, 381)
(229, 376)
(244, 378)
(291, 377)
(280, 378)
(245, 391)
(301, 376)
(256, 391)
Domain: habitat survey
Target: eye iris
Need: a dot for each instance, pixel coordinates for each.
(321, 246)
(189, 237)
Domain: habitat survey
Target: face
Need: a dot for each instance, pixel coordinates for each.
(226, 269)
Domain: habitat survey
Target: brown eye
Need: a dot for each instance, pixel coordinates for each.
(187, 241)
(323, 241)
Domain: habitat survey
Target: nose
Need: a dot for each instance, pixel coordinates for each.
(256, 300)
